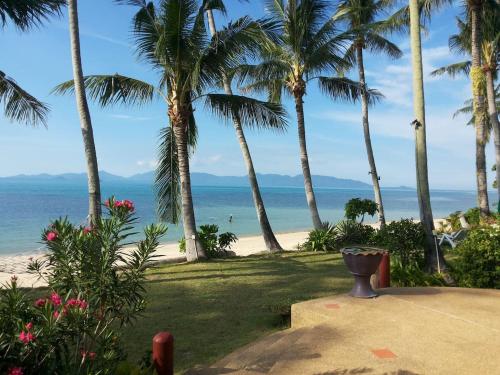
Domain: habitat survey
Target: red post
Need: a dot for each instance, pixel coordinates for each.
(384, 270)
(163, 353)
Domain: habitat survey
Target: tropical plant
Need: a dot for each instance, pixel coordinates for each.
(19, 105)
(350, 232)
(322, 239)
(94, 186)
(170, 36)
(360, 207)
(215, 244)
(309, 45)
(270, 240)
(361, 17)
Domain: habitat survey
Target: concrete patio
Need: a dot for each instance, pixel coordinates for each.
(403, 331)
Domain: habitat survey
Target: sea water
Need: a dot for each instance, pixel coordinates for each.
(26, 208)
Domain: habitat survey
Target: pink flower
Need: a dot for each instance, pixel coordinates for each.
(129, 205)
(76, 303)
(92, 355)
(51, 236)
(56, 314)
(55, 299)
(29, 326)
(118, 204)
(26, 337)
(40, 302)
(15, 371)
(87, 230)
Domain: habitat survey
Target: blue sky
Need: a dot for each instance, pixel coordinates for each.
(126, 138)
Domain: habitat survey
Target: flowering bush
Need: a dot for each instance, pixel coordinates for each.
(96, 287)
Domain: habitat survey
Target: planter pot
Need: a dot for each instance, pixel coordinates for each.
(362, 262)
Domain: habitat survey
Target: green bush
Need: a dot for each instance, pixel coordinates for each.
(473, 216)
(478, 259)
(96, 287)
(412, 275)
(215, 245)
(360, 207)
(350, 232)
(405, 241)
(323, 239)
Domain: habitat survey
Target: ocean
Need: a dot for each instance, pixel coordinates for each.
(26, 208)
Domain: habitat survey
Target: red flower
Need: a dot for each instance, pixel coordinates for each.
(15, 371)
(55, 299)
(51, 236)
(26, 337)
(92, 355)
(129, 205)
(87, 230)
(56, 314)
(29, 326)
(76, 303)
(40, 302)
(106, 203)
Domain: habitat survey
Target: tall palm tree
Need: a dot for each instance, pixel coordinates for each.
(94, 187)
(19, 105)
(172, 38)
(361, 18)
(490, 50)
(270, 240)
(433, 255)
(310, 45)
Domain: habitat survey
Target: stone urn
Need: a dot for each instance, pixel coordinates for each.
(362, 262)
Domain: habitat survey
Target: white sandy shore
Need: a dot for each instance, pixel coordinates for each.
(17, 264)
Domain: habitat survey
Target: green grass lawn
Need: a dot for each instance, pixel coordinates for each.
(215, 307)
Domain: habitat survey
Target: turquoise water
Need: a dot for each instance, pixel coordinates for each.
(26, 208)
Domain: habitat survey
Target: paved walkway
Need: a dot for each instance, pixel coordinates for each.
(405, 331)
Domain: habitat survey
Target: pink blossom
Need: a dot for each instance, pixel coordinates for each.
(56, 314)
(40, 302)
(55, 299)
(26, 337)
(92, 355)
(51, 236)
(107, 203)
(76, 303)
(29, 326)
(87, 230)
(118, 204)
(129, 205)
(15, 371)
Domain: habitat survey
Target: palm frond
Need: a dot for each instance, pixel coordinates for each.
(109, 90)
(346, 89)
(453, 69)
(377, 43)
(251, 112)
(167, 178)
(19, 105)
(25, 14)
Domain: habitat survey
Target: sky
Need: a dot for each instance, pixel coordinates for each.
(127, 138)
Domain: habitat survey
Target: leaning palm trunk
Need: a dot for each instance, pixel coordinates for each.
(368, 142)
(304, 159)
(493, 115)
(477, 78)
(85, 120)
(270, 240)
(194, 248)
(433, 255)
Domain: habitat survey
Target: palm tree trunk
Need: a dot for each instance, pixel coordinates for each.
(304, 159)
(194, 248)
(477, 78)
(368, 142)
(85, 120)
(270, 240)
(433, 255)
(493, 115)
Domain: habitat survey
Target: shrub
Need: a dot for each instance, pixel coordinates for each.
(96, 288)
(412, 275)
(405, 241)
(360, 207)
(478, 259)
(349, 232)
(323, 239)
(215, 245)
(473, 216)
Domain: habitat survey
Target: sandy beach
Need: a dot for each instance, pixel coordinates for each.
(11, 265)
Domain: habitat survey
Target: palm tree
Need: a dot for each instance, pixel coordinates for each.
(172, 38)
(19, 105)
(85, 120)
(433, 255)
(270, 240)
(310, 45)
(461, 43)
(361, 16)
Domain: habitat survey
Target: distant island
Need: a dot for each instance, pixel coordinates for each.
(197, 179)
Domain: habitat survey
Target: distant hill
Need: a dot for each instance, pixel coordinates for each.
(197, 179)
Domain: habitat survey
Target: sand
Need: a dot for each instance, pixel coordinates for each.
(11, 265)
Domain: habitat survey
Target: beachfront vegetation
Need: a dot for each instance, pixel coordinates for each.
(216, 245)
(360, 207)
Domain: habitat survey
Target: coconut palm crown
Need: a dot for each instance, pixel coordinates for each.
(310, 47)
(170, 35)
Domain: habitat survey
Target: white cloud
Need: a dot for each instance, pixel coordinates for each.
(147, 163)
